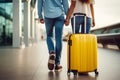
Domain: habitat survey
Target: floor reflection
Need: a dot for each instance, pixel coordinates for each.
(82, 77)
(51, 75)
(54, 75)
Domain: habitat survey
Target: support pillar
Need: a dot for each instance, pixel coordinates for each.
(17, 28)
(27, 23)
(32, 25)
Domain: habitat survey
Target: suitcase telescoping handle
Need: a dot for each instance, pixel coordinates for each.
(79, 14)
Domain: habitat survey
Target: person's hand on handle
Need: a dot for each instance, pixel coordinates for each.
(42, 21)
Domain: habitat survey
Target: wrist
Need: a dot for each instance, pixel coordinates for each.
(67, 18)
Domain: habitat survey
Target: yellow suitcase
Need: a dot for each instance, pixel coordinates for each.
(82, 53)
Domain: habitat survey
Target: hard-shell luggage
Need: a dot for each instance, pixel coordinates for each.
(82, 52)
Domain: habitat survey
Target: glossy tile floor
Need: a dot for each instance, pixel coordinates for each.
(31, 64)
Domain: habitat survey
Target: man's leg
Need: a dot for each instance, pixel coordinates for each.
(49, 30)
(59, 23)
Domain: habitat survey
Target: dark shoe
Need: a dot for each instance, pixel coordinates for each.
(51, 61)
(58, 68)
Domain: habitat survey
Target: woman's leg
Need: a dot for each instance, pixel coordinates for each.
(88, 25)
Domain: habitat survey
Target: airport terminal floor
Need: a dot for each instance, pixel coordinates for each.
(30, 63)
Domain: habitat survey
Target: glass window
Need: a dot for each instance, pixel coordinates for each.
(117, 30)
(6, 23)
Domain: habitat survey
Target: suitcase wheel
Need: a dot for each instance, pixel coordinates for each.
(68, 72)
(75, 73)
(96, 72)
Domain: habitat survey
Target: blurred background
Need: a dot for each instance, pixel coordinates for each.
(106, 17)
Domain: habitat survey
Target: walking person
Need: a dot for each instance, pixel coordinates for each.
(83, 7)
(54, 11)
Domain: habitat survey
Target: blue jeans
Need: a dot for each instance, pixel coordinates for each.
(79, 20)
(50, 24)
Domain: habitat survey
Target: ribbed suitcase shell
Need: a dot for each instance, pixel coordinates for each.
(82, 53)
